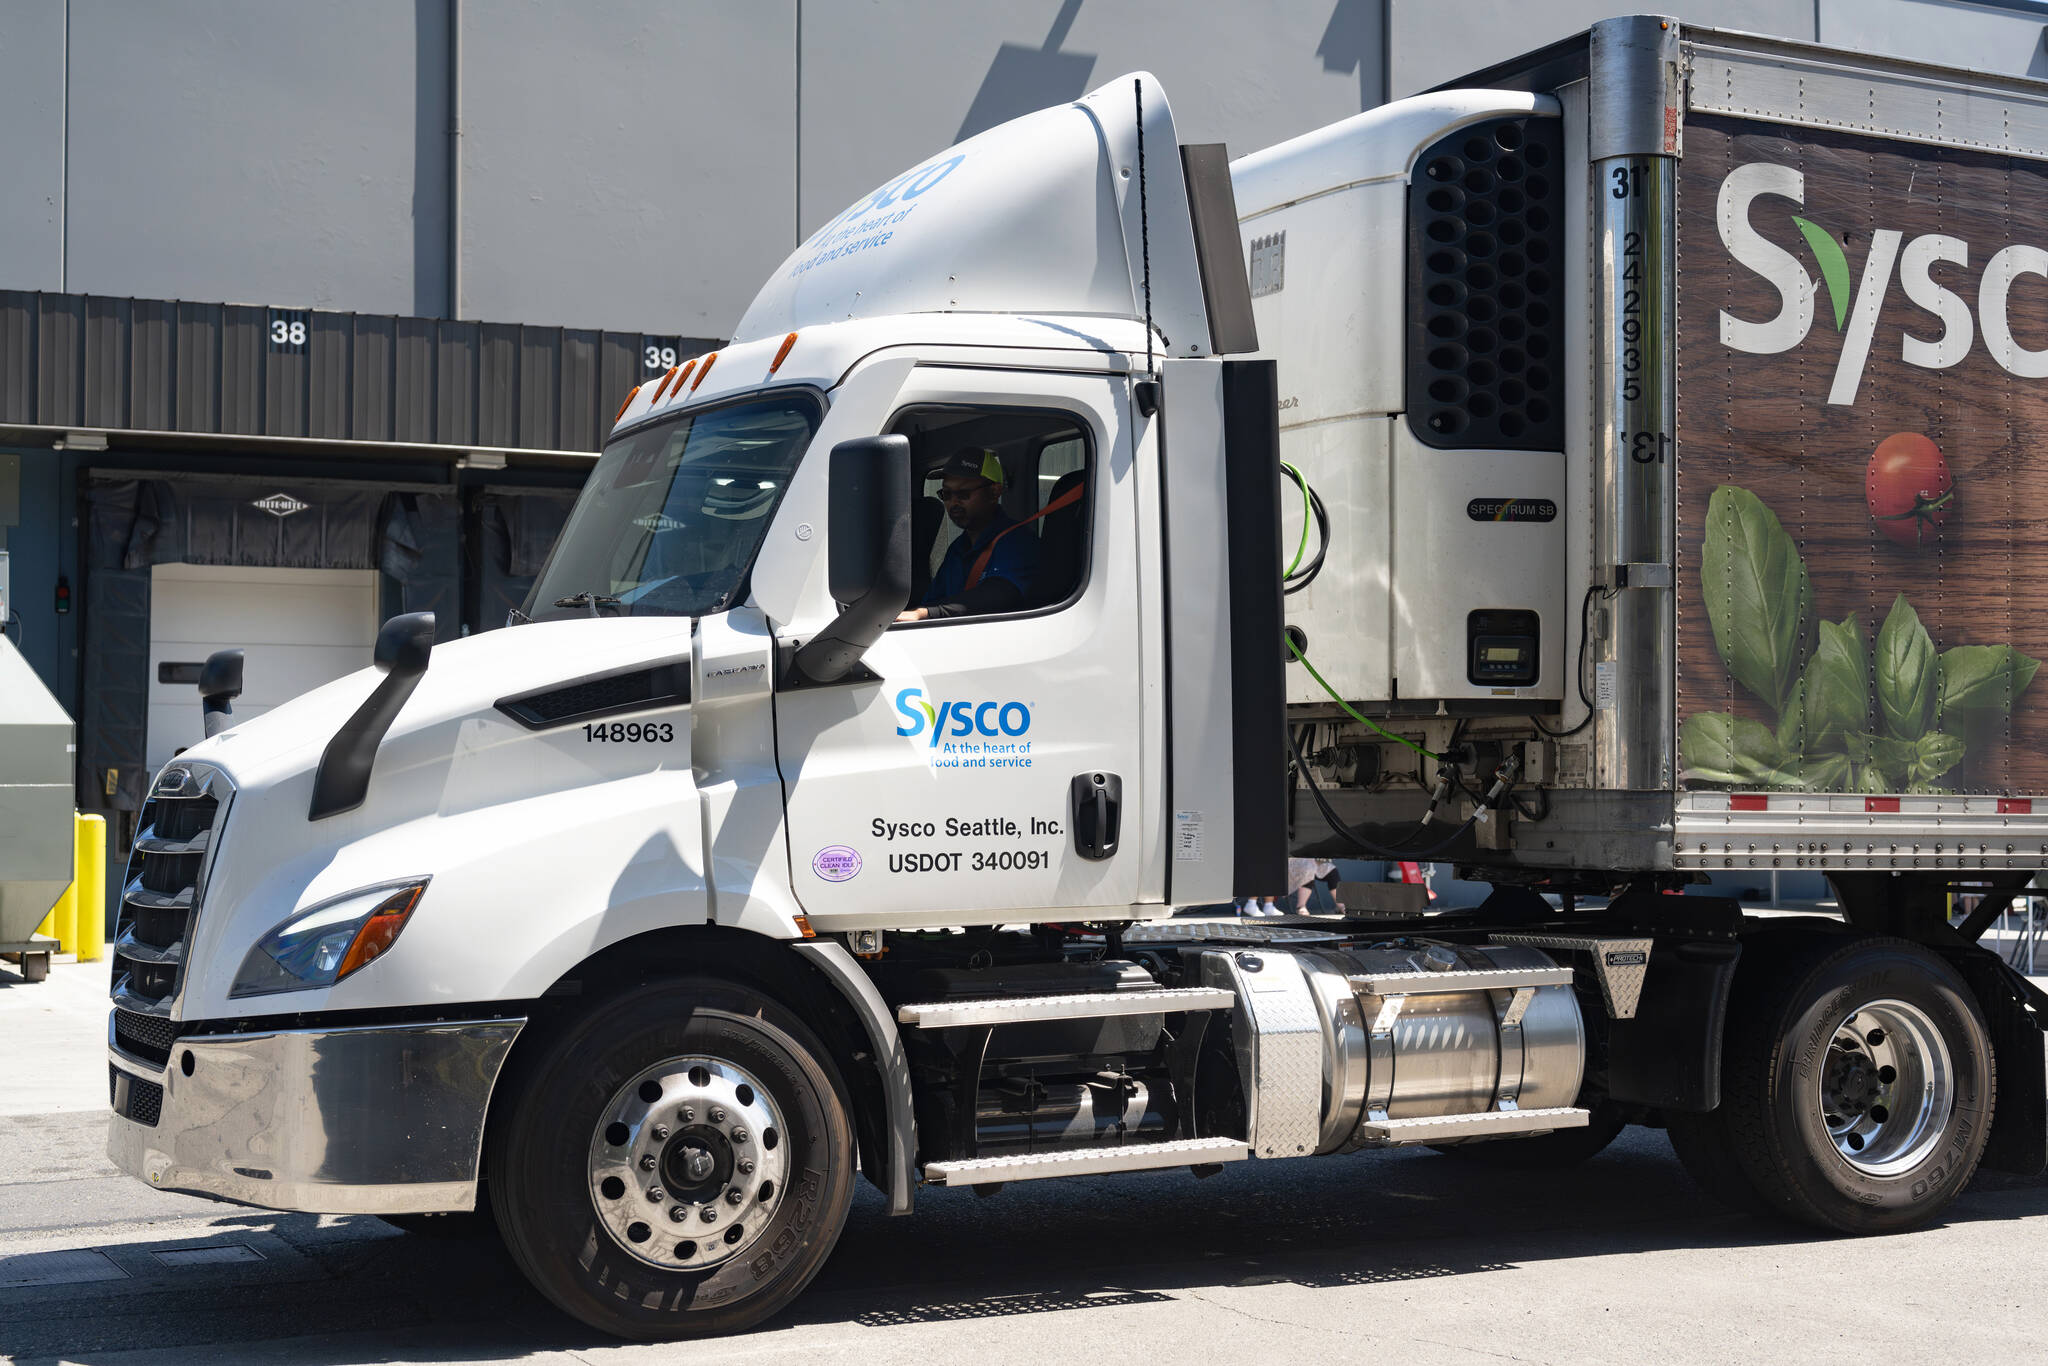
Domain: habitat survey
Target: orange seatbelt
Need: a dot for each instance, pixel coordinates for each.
(980, 565)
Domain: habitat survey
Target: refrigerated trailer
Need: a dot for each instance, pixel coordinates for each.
(1608, 469)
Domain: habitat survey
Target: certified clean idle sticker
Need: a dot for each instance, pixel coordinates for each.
(836, 863)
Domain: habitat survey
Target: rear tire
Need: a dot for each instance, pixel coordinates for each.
(1857, 1088)
(677, 1163)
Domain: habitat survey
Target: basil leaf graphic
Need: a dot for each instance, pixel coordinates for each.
(1829, 773)
(1905, 671)
(1715, 747)
(1893, 758)
(1759, 599)
(1834, 266)
(1982, 678)
(1867, 780)
(1935, 754)
(1832, 697)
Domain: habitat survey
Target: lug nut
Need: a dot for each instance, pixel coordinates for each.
(688, 1114)
(734, 1196)
(717, 1115)
(746, 1166)
(655, 1195)
(660, 1131)
(708, 1215)
(677, 1214)
(647, 1162)
(739, 1135)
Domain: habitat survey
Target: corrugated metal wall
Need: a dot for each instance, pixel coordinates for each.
(75, 360)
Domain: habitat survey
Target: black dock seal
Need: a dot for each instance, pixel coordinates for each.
(403, 649)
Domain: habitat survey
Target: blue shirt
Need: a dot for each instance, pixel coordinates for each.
(1015, 559)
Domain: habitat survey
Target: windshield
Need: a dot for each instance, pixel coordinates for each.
(669, 521)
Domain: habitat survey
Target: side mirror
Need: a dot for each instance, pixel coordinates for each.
(404, 644)
(220, 682)
(868, 550)
(341, 782)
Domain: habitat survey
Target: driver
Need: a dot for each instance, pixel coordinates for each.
(986, 569)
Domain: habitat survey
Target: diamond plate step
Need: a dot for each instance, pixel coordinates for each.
(1490, 1124)
(1085, 1006)
(1132, 1157)
(1458, 979)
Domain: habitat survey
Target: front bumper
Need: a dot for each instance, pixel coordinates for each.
(377, 1119)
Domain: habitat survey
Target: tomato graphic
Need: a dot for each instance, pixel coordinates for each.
(1908, 488)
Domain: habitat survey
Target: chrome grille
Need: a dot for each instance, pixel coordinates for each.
(145, 1036)
(161, 893)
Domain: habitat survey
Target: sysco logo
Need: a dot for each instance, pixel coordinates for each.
(1856, 309)
(959, 719)
(903, 188)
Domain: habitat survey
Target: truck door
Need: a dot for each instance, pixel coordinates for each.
(992, 760)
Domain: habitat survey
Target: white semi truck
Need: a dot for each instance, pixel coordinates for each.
(1614, 468)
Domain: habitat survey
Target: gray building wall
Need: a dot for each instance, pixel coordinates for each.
(640, 165)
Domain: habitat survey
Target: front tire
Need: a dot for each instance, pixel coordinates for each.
(1857, 1086)
(677, 1163)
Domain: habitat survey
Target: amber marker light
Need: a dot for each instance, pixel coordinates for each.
(380, 931)
(705, 371)
(665, 381)
(782, 353)
(631, 394)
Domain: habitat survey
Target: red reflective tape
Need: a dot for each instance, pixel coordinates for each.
(2016, 806)
(1880, 803)
(1748, 801)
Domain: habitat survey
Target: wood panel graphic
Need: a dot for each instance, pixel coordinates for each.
(1863, 536)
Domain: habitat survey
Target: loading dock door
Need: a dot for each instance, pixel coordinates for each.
(298, 628)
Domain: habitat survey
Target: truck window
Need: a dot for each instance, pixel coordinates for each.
(670, 520)
(1001, 524)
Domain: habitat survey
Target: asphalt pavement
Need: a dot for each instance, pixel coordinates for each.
(1413, 1257)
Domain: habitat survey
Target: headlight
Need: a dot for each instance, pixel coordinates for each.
(320, 946)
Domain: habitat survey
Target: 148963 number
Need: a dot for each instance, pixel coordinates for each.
(630, 732)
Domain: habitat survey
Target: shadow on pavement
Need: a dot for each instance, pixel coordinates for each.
(356, 1290)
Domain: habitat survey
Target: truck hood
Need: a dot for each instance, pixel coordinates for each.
(500, 816)
(463, 683)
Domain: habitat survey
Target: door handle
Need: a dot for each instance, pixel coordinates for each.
(1095, 813)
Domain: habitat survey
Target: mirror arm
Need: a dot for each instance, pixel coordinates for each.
(341, 782)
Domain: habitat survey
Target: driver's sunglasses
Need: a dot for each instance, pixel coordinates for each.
(947, 495)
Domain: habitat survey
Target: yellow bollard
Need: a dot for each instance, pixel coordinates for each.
(62, 921)
(91, 887)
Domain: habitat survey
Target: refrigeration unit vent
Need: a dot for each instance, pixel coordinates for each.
(1486, 288)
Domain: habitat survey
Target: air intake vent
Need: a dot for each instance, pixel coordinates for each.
(161, 894)
(134, 1098)
(1486, 288)
(145, 1036)
(586, 699)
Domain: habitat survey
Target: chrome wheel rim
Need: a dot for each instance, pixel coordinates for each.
(1887, 1088)
(687, 1163)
